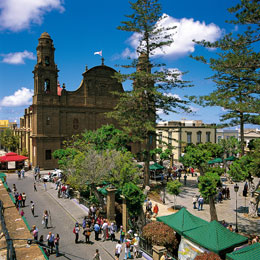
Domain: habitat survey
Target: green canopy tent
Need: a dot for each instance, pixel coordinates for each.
(139, 166)
(182, 220)
(215, 237)
(231, 158)
(156, 166)
(248, 252)
(216, 160)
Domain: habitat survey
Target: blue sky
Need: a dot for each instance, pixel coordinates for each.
(80, 28)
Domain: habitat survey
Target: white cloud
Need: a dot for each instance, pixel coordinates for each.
(21, 97)
(172, 95)
(17, 15)
(159, 111)
(183, 35)
(17, 57)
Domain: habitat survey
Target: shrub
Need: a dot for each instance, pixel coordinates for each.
(207, 256)
(157, 233)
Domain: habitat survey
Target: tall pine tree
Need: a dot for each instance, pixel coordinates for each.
(237, 71)
(151, 83)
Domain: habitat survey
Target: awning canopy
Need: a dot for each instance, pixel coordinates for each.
(248, 252)
(182, 221)
(231, 158)
(156, 166)
(216, 160)
(215, 237)
(12, 157)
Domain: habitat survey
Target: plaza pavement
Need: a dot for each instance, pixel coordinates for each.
(225, 210)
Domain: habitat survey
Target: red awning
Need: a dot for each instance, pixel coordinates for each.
(12, 157)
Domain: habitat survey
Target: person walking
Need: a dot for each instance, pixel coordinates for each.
(22, 172)
(228, 193)
(57, 243)
(32, 207)
(122, 234)
(34, 186)
(104, 230)
(20, 200)
(50, 241)
(112, 230)
(194, 201)
(155, 210)
(76, 232)
(127, 248)
(23, 199)
(97, 255)
(96, 230)
(200, 203)
(118, 250)
(87, 233)
(45, 219)
(135, 243)
(34, 231)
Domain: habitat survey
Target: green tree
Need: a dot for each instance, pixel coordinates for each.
(136, 109)
(237, 71)
(134, 198)
(9, 140)
(208, 188)
(173, 187)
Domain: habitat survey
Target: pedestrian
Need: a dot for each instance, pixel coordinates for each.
(87, 233)
(96, 230)
(219, 196)
(185, 179)
(155, 210)
(192, 171)
(245, 189)
(84, 222)
(200, 203)
(149, 206)
(22, 213)
(23, 199)
(228, 193)
(32, 207)
(97, 255)
(16, 195)
(76, 232)
(34, 186)
(57, 243)
(45, 219)
(22, 172)
(118, 250)
(122, 234)
(255, 240)
(112, 231)
(34, 231)
(230, 228)
(14, 189)
(164, 256)
(44, 184)
(50, 241)
(19, 174)
(104, 230)
(20, 199)
(127, 248)
(194, 201)
(135, 243)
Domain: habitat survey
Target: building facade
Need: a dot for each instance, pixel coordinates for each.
(56, 114)
(179, 134)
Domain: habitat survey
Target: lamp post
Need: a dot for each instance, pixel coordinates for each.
(236, 188)
(164, 189)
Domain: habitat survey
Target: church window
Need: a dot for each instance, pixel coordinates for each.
(47, 86)
(75, 123)
(48, 120)
(47, 60)
(47, 154)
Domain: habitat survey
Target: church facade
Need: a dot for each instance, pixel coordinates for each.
(56, 114)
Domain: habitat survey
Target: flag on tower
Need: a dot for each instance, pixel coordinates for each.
(98, 52)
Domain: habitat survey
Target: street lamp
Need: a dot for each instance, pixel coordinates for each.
(236, 188)
(164, 189)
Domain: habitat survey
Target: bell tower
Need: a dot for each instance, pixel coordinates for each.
(45, 71)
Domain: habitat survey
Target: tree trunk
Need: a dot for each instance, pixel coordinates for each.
(212, 209)
(242, 133)
(98, 196)
(147, 164)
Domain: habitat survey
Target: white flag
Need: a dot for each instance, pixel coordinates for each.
(98, 52)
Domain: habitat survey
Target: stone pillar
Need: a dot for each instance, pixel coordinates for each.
(111, 204)
(124, 213)
(158, 252)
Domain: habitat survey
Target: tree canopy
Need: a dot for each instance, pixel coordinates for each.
(9, 140)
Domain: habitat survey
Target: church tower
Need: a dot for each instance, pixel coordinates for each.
(45, 71)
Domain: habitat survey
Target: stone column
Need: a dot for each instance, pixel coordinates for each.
(124, 213)
(111, 204)
(158, 252)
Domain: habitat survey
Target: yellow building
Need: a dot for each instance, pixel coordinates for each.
(179, 134)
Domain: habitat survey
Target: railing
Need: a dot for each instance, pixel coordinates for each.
(146, 246)
(10, 247)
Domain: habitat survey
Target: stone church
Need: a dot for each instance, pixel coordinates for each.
(56, 114)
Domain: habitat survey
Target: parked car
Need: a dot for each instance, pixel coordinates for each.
(54, 175)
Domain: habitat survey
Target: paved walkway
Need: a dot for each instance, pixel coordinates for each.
(225, 210)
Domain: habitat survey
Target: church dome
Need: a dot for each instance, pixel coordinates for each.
(45, 35)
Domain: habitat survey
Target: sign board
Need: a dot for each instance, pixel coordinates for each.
(188, 250)
(11, 165)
